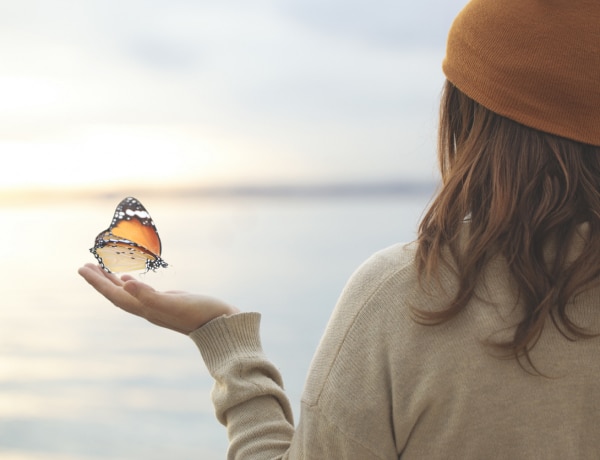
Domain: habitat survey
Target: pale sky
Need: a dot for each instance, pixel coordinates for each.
(98, 92)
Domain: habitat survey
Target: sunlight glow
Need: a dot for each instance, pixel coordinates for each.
(108, 154)
(21, 94)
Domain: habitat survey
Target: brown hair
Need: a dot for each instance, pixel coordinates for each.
(521, 189)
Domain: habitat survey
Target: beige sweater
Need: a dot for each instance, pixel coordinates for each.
(383, 387)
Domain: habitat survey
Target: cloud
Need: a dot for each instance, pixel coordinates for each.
(385, 23)
(313, 88)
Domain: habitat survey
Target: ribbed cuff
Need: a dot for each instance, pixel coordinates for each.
(228, 338)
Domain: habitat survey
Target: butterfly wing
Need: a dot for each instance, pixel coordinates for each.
(132, 222)
(131, 242)
(118, 255)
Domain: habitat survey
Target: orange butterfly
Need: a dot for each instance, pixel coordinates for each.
(131, 242)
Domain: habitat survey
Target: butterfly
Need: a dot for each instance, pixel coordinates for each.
(131, 242)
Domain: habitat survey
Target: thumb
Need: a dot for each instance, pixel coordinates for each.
(136, 288)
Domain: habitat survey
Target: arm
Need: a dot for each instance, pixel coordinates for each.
(248, 394)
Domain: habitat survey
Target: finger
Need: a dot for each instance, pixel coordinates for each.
(139, 290)
(93, 270)
(90, 273)
(116, 280)
(94, 275)
(156, 300)
(109, 286)
(151, 302)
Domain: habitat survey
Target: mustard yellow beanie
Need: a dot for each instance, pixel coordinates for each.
(536, 62)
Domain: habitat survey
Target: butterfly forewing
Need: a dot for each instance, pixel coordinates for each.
(131, 242)
(132, 222)
(143, 235)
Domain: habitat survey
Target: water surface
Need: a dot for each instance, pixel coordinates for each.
(80, 379)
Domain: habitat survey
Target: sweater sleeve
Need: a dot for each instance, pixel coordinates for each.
(248, 394)
(249, 400)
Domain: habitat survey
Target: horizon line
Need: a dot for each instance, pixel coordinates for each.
(249, 190)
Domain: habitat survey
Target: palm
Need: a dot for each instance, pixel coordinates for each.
(177, 310)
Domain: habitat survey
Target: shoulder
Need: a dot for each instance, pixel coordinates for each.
(394, 259)
(381, 279)
(373, 301)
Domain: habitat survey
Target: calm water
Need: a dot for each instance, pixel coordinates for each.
(79, 379)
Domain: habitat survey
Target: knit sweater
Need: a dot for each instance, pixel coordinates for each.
(382, 386)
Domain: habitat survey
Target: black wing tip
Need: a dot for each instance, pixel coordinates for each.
(155, 264)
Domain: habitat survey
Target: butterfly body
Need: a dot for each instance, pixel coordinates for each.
(131, 242)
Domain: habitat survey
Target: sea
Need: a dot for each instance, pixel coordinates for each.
(81, 379)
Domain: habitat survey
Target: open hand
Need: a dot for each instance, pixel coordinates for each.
(177, 310)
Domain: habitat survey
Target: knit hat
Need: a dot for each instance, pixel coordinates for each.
(536, 62)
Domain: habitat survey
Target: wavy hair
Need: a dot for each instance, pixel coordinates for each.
(521, 189)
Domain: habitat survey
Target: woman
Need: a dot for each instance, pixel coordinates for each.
(479, 339)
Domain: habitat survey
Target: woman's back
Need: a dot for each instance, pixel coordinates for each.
(444, 389)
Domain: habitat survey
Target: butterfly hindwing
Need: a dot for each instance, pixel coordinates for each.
(131, 242)
(124, 256)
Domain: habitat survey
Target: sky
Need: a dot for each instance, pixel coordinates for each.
(96, 93)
